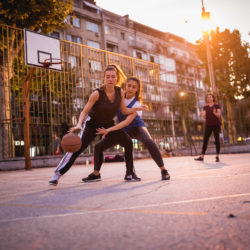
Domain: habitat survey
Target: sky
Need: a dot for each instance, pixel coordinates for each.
(183, 17)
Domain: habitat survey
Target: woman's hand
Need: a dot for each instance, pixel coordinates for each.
(143, 107)
(103, 131)
(217, 112)
(73, 129)
(203, 114)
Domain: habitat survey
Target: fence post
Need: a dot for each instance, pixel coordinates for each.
(26, 115)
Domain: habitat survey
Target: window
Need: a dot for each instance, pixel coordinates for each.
(112, 47)
(131, 40)
(95, 66)
(122, 35)
(167, 64)
(138, 55)
(74, 39)
(92, 26)
(72, 61)
(169, 77)
(110, 31)
(78, 3)
(75, 21)
(55, 34)
(152, 59)
(95, 83)
(93, 44)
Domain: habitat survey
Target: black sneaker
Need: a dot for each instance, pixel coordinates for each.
(92, 177)
(53, 182)
(217, 159)
(199, 158)
(165, 175)
(131, 177)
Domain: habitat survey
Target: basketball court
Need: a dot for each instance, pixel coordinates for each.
(204, 206)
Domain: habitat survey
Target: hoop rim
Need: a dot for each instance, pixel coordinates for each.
(48, 62)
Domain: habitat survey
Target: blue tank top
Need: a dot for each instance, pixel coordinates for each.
(137, 122)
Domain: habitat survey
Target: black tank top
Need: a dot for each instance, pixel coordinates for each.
(103, 110)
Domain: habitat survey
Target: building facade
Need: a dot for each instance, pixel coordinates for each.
(179, 67)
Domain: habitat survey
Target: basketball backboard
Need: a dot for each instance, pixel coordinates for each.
(39, 48)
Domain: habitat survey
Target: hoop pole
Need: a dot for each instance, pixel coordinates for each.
(26, 114)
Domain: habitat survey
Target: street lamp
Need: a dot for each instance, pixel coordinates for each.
(206, 17)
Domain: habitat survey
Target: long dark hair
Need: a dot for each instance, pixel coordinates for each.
(138, 94)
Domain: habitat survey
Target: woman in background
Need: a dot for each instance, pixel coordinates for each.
(211, 113)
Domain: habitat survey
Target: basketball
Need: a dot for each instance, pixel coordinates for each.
(71, 142)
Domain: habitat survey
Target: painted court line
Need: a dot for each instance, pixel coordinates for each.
(129, 208)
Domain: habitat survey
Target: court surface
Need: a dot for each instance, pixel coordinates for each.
(205, 205)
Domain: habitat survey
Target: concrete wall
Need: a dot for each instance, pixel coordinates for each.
(52, 161)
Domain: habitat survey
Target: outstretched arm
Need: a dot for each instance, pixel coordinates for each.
(92, 100)
(118, 126)
(126, 111)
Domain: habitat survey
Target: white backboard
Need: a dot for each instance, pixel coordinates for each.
(39, 47)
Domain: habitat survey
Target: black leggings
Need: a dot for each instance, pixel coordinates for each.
(89, 133)
(141, 135)
(111, 139)
(208, 132)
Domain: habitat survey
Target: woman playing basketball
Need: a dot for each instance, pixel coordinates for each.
(136, 128)
(100, 111)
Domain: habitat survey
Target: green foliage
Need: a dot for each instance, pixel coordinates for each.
(231, 63)
(35, 14)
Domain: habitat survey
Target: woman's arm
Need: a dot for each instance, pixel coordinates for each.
(125, 110)
(118, 126)
(203, 114)
(92, 100)
(217, 112)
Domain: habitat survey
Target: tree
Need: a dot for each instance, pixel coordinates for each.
(185, 105)
(42, 16)
(232, 70)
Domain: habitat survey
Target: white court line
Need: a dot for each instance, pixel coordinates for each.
(129, 208)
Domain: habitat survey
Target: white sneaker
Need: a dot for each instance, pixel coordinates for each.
(55, 178)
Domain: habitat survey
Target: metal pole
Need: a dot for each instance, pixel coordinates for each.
(206, 16)
(210, 66)
(26, 115)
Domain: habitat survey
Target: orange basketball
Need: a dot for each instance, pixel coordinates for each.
(71, 142)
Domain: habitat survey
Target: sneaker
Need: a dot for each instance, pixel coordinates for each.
(165, 175)
(217, 159)
(199, 158)
(131, 177)
(54, 180)
(92, 177)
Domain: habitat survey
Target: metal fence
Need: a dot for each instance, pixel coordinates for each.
(57, 98)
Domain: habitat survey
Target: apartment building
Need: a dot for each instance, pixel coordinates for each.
(180, 69)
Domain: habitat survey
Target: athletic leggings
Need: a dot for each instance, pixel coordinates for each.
(112, 139)
(208, 132)
(141, 135)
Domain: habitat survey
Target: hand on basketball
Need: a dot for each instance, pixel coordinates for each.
(102, 131)
(73, 129)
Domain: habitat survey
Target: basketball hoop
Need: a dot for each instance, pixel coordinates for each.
(50, 61)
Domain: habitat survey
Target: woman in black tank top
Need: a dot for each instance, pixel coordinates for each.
(99, 112)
